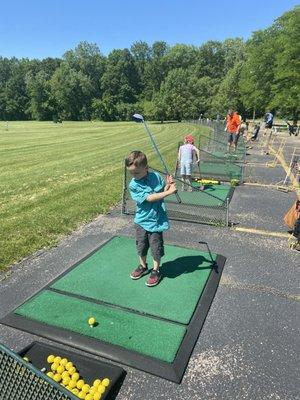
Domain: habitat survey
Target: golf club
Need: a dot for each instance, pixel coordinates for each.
(214, 264)
(140, 118)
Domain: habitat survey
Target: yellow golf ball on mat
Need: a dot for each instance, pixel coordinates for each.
(91, 321)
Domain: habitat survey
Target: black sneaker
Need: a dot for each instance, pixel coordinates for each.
(139, 272)
(154, 278)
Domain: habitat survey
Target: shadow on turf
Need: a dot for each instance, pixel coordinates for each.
(183, 265)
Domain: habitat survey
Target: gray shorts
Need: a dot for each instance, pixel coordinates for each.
(233, 137)
(145, 239)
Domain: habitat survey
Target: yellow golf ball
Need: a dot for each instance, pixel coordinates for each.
(72, 384)
(60, 369)
(65, 374)
(72, 370)
(50, 358)
(105, 382)
(54, 366)
(75, 376)
(57, 377)
(97, 396)
(91, 321)
(66, 381)
(89, 397)
(75, 391)
(96, 382)
(26, 359)
(57, 359)
(80, 383)
(50, 374)
(69, 365)
(85, 388)
(101, 389)
(81, 395)
(63, 361)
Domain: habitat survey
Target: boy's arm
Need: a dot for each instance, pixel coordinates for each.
(160, 196)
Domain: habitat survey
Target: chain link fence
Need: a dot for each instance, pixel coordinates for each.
(208, 206)
(19, 380)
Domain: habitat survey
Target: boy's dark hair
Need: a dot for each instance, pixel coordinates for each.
(136, 158)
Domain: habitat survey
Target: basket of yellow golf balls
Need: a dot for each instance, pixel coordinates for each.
(62, 371)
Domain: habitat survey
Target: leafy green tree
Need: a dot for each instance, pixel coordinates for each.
(104, 109)
(286, 83)
(228, 94)
(39, 90)
(121, 78)
(141, 52)
(180, 95)
(155, 71)
(257, 73)
(180, 56)
(72, 93)
(14, 91)
(87, 59)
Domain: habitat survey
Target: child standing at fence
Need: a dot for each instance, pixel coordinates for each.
(148, 190)
(185, 161)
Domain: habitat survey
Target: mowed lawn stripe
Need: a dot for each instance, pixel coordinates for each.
(54, 177)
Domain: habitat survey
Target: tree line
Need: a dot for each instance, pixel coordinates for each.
(163, 82)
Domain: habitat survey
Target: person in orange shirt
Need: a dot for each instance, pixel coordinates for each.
(233, 123)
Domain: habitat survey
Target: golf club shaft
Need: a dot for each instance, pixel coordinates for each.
(159, 155)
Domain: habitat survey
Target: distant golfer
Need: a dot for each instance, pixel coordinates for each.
(185, 161)
(233, 123)
(148, 190)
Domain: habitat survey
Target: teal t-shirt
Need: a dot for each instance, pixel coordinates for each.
(150, 216)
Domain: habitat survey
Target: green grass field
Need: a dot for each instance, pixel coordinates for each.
(55, 177)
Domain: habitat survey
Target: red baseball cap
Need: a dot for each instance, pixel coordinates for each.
(189, 139)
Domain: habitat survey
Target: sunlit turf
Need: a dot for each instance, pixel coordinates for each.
(54, 177)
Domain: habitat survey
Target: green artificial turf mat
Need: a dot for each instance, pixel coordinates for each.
(126, 329)
(208, 168)
(105, 276)
(213, 195)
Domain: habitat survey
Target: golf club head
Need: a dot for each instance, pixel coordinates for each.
(214, 263)
(138, 118)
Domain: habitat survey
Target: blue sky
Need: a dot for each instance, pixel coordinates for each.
(42, 28)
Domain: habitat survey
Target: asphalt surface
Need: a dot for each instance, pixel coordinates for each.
(248, 346)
